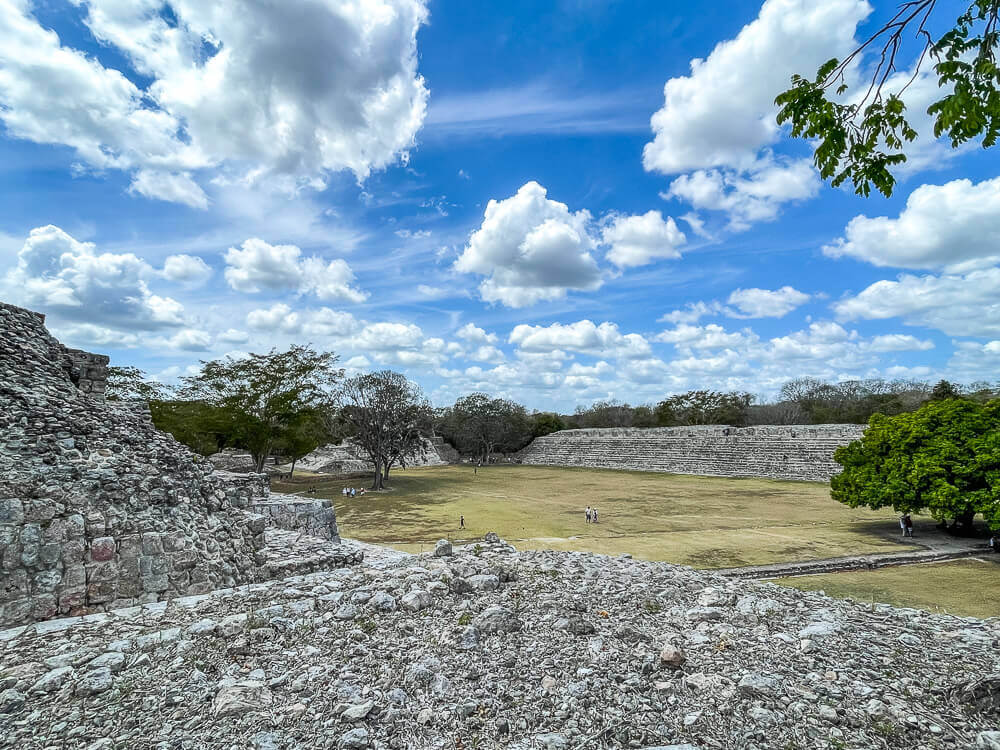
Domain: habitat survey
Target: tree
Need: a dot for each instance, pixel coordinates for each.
(943, 458)
(482, 425)
(131, 384)
(943, 390)
(863, 138)
(545, 423)
(301, 434)
(389, 417)
(263, 394)
(704, 407)
(202, 427)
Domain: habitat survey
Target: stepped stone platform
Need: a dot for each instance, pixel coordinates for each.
(100, 510)
(768, 452)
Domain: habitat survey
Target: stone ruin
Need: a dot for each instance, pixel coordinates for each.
(800, 452)
(99, 509)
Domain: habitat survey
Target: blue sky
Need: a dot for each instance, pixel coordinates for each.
(556, 202)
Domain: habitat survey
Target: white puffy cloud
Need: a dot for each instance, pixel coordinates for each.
(233, 336)
(58, 274)
(899, 342)
(475, 335)
(278, 317)
(530, 249)
(958, 305)
(750, 196)
(174, 188)
(639, 240)
(721, 114)
(692, 312)
(711, 336)
(233, 85)
(190, 340)
(186, 269)
(955, 226)
(259, 266)
(582, 336)
(766, 303)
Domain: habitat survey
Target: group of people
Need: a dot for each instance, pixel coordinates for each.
(591, 514)
(352, 492)
(906, 524)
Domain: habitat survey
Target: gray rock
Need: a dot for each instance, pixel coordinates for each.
(497, 620)
(443, 548)
(52, 680)
(754, 684)
(416, 600)
(358, 712)
(383, 602)
(95, 681)
(241, 697)
(355, 739)
(11, 701)
(989, 740)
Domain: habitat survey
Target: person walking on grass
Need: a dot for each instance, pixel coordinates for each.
(461, 522)
(907, 525)
(902, 524)
(587, 512)
(593, 514)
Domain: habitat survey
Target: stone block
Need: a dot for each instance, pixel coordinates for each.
(102, 549)
(152, 544)
(11, 511)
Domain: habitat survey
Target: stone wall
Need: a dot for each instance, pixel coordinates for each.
(313, 517)
(98, 509)
(770, 452)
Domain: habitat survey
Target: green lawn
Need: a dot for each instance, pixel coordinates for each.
(706, 522)
(970, 588)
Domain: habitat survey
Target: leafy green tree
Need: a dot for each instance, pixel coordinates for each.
(301, 434)
(263, 394)
(204, 428)
(132, 384)
(943, 459)
(480, 425)
(863, 137)
(703, 407)
(389, 417)
(545, 423)
(944, 390)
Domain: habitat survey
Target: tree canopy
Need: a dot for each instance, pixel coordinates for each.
(703, 407)
(943, 459)
(480, 425)
(862, 135)
(132, 384)
(263, 394)
(388, 416)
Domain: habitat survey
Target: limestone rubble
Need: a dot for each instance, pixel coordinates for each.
(490, 648)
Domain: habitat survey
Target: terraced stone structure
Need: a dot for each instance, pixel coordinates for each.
(767, 452)
(99, 509)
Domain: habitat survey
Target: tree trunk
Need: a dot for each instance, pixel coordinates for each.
(963, 522)
(258, 462)
(291, 472)
(377, 481)
(385, 473)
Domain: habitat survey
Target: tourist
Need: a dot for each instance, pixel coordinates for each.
(588, 514)
(353, 492)
(594, 513)
(345, 492)
(902, 524)
(908, 524)
(461, 522)
(993, 544)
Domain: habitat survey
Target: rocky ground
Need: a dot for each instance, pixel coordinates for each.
(489, 647)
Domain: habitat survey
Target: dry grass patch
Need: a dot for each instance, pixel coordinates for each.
(969, 588)
(705, 522)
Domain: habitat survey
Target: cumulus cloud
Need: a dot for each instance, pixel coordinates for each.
(475, 335)
(717, 123)
(899, 342)
(582, 336)
(955, 226)
(719, 116)
(259, 266)
(231, 85)
(692, 312)
(175, 188)
(711, 336)
(58, 274)
(754, 195)
(530, 249)
(958, 305)
(639, 240)
(186, 269)
(766, 303)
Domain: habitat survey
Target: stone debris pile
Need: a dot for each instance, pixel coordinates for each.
(100, 510)
(486, 647)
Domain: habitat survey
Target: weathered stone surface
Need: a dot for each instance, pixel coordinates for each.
(803, 452)
(98, 509)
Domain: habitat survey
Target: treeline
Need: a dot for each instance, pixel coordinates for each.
(287, 404)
